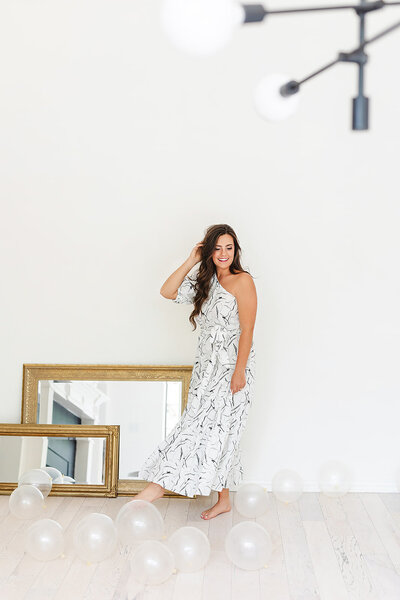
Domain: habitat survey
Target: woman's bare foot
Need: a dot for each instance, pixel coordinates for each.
(151, 492)
(219, 507)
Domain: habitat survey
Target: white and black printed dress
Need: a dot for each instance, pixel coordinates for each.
(202, 452)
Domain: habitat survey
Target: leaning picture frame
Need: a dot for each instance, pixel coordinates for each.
(35, 373)
(109, 453)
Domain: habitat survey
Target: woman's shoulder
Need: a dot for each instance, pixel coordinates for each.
(239, 283)
(243, 276)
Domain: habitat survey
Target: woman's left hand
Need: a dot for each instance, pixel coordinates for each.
(238, 381)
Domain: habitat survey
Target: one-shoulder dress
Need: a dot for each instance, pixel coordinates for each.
(202, 452)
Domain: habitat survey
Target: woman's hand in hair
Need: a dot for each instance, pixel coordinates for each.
(196, 254)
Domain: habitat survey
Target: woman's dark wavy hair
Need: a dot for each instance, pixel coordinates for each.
(207, 267)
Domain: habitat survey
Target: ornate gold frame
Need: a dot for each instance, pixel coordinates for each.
(33, 373)
(109, 432)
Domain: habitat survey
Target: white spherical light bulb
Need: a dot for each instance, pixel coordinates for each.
(200, 27)
(269, 102)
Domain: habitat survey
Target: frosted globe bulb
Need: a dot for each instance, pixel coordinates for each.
(269, 102)
(200, 27)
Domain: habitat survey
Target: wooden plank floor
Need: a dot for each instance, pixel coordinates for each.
(332, 549)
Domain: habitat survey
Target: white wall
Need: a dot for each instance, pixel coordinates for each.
(10, 469)
(116, 153)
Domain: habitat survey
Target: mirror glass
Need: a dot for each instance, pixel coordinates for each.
(80, 459)
(146, 411)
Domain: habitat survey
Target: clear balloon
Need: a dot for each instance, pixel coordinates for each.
(39, 479)
(190, 547)
(45, 540)
(251, 500)
(95, 537)
(201, 27)
(287, 485)
(64, 479)
(152, 563)
(139, 520)
(52, 471)
(26, 502)
(334, 478)
(248, 545)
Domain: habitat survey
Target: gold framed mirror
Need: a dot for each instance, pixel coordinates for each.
(89, 453)
(146, 401)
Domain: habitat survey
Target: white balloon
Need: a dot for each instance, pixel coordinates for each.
(201, 27)
(52, 471)
(334, 478)
(269, 102)
(45, 540)
(26, 502)
(139, 520)
(39, 479)
(248, 545)
(287, 485)
(152, 562)
(190, 547)
(95, 537)
(64, 479)
(251, 500)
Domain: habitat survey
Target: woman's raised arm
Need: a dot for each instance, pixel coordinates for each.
(169, 289)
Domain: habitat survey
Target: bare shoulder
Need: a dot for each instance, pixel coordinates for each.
(244, 283)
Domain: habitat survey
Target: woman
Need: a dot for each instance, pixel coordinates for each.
(202, 452)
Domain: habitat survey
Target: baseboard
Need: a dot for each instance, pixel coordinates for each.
(312, 486)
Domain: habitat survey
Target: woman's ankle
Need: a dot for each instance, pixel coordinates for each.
(224, 497)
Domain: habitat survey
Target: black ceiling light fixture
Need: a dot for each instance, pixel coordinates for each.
(202, 27)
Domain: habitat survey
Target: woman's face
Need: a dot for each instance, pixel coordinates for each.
(224, 251)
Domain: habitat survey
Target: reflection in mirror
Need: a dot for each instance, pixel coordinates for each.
(79, 458)
(145, 410)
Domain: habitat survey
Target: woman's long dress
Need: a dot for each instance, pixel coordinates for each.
(202, 451)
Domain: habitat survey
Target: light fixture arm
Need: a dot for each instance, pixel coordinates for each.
(358, 56)
(360, 104)
(255, 13)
